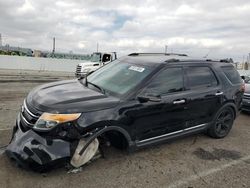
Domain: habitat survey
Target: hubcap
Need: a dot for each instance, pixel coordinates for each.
(224, 122)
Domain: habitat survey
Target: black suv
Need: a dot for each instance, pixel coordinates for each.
(135, 101)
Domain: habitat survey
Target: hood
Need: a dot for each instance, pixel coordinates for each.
(88, 63)
(69, 96)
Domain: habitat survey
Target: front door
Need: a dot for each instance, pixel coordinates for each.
(166, 110)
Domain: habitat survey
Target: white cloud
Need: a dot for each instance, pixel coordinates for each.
(26, 7)
(93, 21)
(64, 4)
(186, 10)
(81, 44)
(128, 26)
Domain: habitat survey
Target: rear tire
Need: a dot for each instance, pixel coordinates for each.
(222, 124)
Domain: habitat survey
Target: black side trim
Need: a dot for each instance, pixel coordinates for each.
(172, 136)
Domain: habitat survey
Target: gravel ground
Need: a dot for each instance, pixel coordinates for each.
(195, 161)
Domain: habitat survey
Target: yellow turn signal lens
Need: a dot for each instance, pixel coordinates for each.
(59, 118)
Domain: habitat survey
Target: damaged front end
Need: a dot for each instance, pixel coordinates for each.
(30, 150)
(51, 131)
(45, 150)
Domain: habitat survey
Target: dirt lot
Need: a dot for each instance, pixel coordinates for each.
(196, 161)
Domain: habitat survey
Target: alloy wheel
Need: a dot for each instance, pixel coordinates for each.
(224, 122)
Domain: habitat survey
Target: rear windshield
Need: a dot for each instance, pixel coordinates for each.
(232, 74)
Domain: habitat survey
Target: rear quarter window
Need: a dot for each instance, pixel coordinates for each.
(232, 74)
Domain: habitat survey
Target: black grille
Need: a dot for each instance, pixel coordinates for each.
(246, 96)
(78, 69)
(28, 117)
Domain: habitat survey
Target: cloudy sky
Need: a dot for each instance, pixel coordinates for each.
(217, 28)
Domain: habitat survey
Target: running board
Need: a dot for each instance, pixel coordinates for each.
(172, 135)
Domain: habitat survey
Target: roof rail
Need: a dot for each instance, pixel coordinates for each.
(172, 60)
(226, 60)
(149, 54)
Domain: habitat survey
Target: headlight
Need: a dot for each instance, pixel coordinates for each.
(86, 70)
(48, 121)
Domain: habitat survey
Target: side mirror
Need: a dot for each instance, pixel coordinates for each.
(149, 97)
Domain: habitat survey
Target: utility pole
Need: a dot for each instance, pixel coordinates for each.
(1, 42)
(97, 46)
(54, 46)
(166, 49)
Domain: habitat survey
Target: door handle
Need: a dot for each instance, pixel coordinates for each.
(179, 101)
(218, 93)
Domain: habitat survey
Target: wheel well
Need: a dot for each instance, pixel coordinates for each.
(230, 105)
(233, 111)
(232, 108)
(116, 139)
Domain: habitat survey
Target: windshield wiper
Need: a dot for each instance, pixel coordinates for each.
(87, 82)
(98, 87)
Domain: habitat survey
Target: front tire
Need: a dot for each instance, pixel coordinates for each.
(222, 124)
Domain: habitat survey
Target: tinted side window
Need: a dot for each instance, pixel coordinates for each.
(231, 74)
(198, 77)
(167, 81)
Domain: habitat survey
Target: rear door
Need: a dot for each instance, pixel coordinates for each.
(205, 94)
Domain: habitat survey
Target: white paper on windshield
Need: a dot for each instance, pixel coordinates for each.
(135, 68)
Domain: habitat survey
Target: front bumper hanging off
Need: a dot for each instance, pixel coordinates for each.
(31, 150)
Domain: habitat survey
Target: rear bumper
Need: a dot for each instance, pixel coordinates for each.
(33, 151)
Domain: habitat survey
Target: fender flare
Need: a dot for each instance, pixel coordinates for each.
(103, 130)
(233, 106)
(228, 104)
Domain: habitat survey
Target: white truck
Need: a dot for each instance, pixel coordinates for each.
(98, 59)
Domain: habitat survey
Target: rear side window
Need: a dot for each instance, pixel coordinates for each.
(200, 77)
(232, 74)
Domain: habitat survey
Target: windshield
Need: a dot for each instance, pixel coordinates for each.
(247, 79)
(118, 77)
(95, 57)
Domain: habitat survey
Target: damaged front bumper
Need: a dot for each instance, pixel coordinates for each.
(30, 150)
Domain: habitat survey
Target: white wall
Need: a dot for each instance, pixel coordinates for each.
(37, 63)
(244, 72)
(47, 64)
